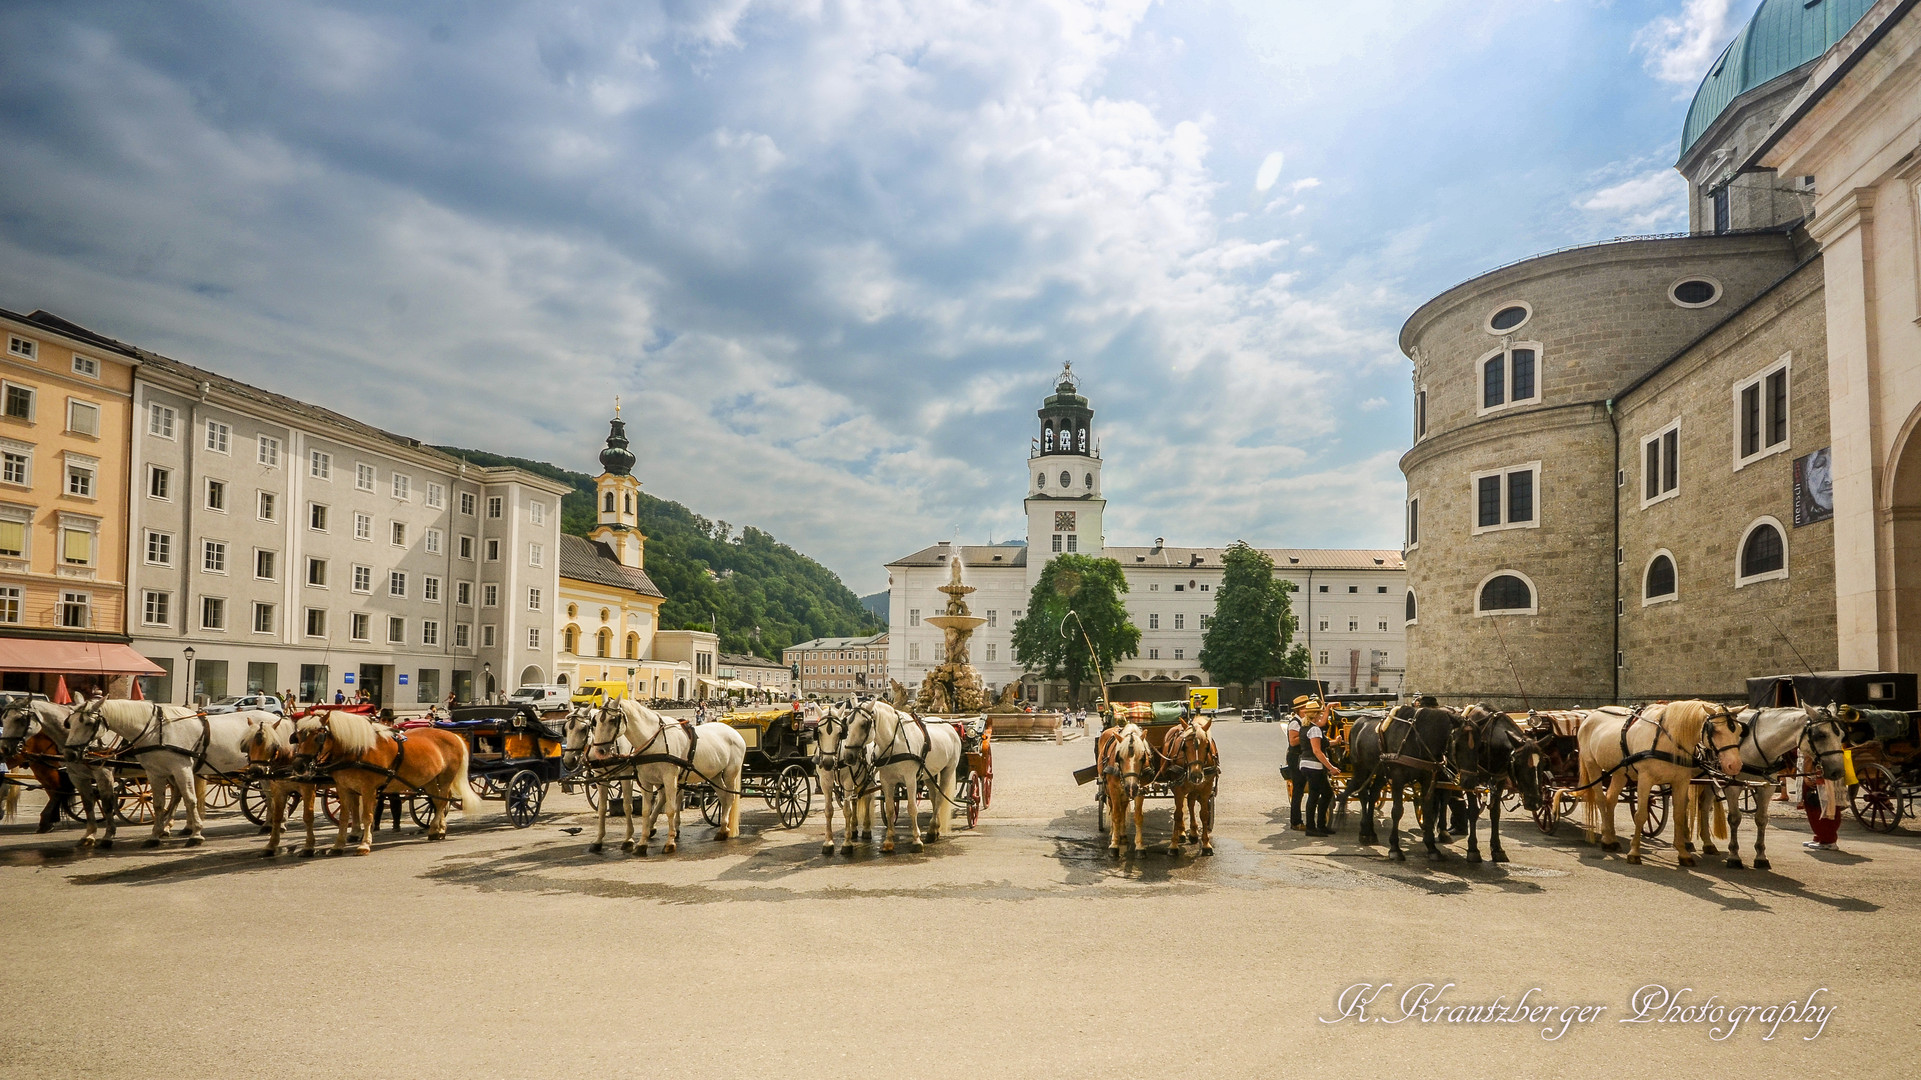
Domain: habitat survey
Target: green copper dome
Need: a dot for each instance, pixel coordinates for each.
(1782, 35)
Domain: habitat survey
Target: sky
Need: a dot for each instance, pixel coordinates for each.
(830, 256)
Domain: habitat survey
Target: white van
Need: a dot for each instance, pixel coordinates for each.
(544, 696)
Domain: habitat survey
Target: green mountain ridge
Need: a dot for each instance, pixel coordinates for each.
(759, 594)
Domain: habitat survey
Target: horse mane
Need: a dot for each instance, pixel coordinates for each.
(353, 732)
(271, 735)
(1685, 719)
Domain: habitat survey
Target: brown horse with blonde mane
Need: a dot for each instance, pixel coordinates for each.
(271, 762)
(1666, 743)
(1128, 767)
(367, 760)
(1193, 767)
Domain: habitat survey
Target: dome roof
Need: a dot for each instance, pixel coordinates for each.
(1782, 35)
(615, 457)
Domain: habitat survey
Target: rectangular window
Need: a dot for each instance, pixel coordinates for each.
(1180, 622)
(363, 579)
(360, 626)
(1520, 498)
(467, 547)
(397, 535)
(363, 526)
(1353, 625)
(316, 622)
(317, 573)
(1413, 522)
(463, 635)
(83, 418)
(16, 468)
(1323, 656)
(533, 637)
(1057, 541)
(1507, 498)
(992, 651)
(1420, 415)
(269, 452)
(159, 482)
(1383, 625)
(403, 487)
(76, 547)
(487, 637)
(263, 618)
(1777, 407)
(1490, 502)
(364, 477)
(79, 480)
(160, 548)
(533, 599)
(430, 589)
(1154, 621)
(76, 610)
(10, 604)
(86, 365)
(263, 565)
(467, 503)
(219, 436)
(913, 651)
(537, 513)
(1751, 421)
(21, 347)
(19, 402)
(430, 541)
(1761, 414)
(1720, 198)
(1494, 382)
(493, 551)
(396, 630)
(1660, 464)
(429, 632)
(316, 517)
(1072, 539)
(464, 593)
(397, 583)
(534, 554)
(993, 618)
(490, 595)
(1522, 361)
(213, 556)
(493, 506)
(913, 616)
(160, 421)
(213, 613)
(1180, 654)
(436, 496)
(1205, 620)
(1153, 654)
(156, 608)
(217, 495)
(320, 465)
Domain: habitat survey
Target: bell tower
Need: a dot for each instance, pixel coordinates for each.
(1064, 503)
(617, 499)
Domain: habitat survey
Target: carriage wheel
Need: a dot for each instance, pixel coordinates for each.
(135, 796)
(524, 793)
(987, 787)
(1547, 813)
(708, 797)
(484, 786)
(329, 800)
(1657, 813)
(792, 794)
(1100, 806)
(1876, 801)
(421, 809)
(71, 806)
(221, 795)
(253, 802)
(974, 798)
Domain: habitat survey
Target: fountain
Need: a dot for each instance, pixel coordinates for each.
(954, 686)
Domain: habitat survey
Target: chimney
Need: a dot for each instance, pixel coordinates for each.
(1158, 541)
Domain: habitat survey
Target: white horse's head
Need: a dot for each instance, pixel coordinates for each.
(857, 737)
(16, 723)
(1129, 759)
(577, 735)
(1826, 739)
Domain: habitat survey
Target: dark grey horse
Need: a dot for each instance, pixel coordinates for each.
(1491, 751)
(1409, 747)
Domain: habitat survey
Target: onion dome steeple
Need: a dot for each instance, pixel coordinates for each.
(1067, 421)
(615, 457)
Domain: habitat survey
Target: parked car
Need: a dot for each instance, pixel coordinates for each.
(247, 703)
(544, 697)
(595, 694)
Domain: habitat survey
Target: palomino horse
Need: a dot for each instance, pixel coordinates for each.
(364, 760)
(1408, 746)
(273, 765)
(662, 751)
(1127, 769)
(176, 746)
(905, 751)
(1193, 769)
(846, 779)
(575, 735)
(1490, 750)
(1652, 745)
(1770, 741)
(37, 730)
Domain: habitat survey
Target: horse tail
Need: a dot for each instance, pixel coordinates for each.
(463, 788)
(1591, 794)
(1720, 818)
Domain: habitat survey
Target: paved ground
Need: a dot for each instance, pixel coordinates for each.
(1019, 950)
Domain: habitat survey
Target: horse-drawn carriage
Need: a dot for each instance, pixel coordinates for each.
(1883, 735)
(513, 754)
(779, 766)
(1157, 720)
(1154, 750)
(1557, 733)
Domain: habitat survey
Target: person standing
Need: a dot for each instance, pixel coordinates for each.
(1315, 769)
(1296, 785)
(340, 697)
(1819, 800)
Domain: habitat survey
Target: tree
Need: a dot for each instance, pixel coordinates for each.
(1091, 589)
(1247, 639)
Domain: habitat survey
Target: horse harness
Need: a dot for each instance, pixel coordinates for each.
(1435, 766)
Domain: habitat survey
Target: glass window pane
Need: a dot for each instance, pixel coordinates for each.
(1653, 469)
(1490, 501)
(1750, 421)
(1520, 496)
(1493, 382)
(1670, 460)
(1777, 408)
(1763, 553)
(1660, 577)
(1523, 375)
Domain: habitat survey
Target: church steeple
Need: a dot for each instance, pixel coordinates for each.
(1067, 421)
(617, 498)
(1064, 503)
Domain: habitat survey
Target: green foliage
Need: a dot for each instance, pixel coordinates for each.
(1091, 588)
(1247, 639)
(714, 579)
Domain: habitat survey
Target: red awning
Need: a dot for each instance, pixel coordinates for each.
(76, 657)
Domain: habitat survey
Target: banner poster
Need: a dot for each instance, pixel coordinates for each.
(1813, 487)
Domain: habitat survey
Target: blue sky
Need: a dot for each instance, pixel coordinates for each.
(831, 255)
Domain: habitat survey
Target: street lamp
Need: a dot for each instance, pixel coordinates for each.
(487, 680)
(189, 652)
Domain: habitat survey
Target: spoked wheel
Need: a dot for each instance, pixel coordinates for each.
(136, 800)
(484, 786)
(1657, 811)
(707, 797)
(1876, 801)
(421, 809)
(253, 802)
(973, 798)
(329, 800)
(987, 787)
(524, 792)
(792, 796)
(1547, 813)
(222, 796)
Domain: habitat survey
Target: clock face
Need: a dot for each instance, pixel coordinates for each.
(1064, 521)
(1067, 479)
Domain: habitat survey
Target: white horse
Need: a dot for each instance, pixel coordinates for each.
(845, 779)
(575, 743)
(903, 752)
(177, 747)
(665, 750)
(1772, 740)
(92, 779)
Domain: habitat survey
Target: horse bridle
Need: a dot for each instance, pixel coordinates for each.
(1707, 753)
(1194, 769)
(1112, 766)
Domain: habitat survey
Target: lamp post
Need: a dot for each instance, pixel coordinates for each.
(189, 653)
(487, 681)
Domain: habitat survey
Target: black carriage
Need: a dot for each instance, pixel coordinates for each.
(1558, 734)
(779, 767)
(1883, 737)
(513, 754)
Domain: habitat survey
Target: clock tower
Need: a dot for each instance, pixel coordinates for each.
(1064, 502)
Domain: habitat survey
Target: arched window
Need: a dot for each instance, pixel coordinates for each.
(1047, 439)
(628, 501)
(1511, 376)
(1410, 605)
(1658, 583)
(608, 505)
(633, 646)
(1764, 553)
(604, 643)
(570, 640)
(1080, 441)
(1505, 592)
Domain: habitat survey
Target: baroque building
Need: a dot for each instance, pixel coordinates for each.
(1348, 601)
(1631, 467)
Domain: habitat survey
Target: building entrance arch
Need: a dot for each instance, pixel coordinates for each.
(1904, 518)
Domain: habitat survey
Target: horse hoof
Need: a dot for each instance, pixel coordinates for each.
(827, 849)
(887, 849)
(1500, 856)
(669, 848)
(595, 849)
(1763, 864)
(1114, 853)
(1710, 849)
(1207, 849)
(196, 841)
(1735, 861)
(626, 845)
(363, 850)
(150, 842)
(1474, 857)
(932, 836)
(1686, 860)
(269, 853)
(1611, 845)
(1397, 856)
(306, 853)
(105, 845)
(918, 847)
(45, 826)
(1635, 859)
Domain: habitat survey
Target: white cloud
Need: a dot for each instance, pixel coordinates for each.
(1269, 171)
(1678, 49)
(1640, 203)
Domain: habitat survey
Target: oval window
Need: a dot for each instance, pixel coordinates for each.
(1040, 479)
(1660, 577)
(1506, 593)
(1067, 479)
(1090, 481)
(1508, 318)
(1695, 292)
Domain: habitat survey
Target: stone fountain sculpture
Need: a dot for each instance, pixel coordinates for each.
(954, 686)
